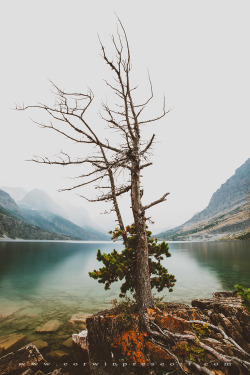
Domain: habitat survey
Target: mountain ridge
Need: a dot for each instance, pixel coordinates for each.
(226, 216)
(39, 222)
(12, 227)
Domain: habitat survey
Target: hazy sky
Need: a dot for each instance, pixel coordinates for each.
(197, 53)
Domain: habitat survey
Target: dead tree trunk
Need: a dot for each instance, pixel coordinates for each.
(144, 296)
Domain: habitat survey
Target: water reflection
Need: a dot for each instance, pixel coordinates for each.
(43, 269)
(45, 272)
(229, 261)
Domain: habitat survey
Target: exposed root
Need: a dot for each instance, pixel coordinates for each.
(170, 353)
(219, 356)
(218, 329)
(200, 368)
(165, 336)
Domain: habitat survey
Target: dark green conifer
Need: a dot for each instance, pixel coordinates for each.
(122, 266)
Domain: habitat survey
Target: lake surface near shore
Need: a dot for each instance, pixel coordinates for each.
(44, 281)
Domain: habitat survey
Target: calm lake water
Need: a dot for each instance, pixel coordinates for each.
(42, 281)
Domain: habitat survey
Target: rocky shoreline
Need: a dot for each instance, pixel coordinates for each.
(113, 345)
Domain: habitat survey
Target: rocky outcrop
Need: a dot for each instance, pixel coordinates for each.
(26, 361)
(8, 203)
(21, 360)
(117, 346)
(226, 311)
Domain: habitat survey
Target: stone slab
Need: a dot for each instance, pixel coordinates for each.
(50, 326)
(78, 318)
(40, 344)
(7, 342)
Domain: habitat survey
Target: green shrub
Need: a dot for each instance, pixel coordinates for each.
(245, 294)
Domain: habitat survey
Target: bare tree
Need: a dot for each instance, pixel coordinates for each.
(110, 164)
(131, 155)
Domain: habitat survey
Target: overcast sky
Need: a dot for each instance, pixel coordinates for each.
(197, 53)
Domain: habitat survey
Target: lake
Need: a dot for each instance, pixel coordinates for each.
(43, 281)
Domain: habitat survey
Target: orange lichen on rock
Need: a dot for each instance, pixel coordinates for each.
(151, 313)
(169, 322)
(131, 344)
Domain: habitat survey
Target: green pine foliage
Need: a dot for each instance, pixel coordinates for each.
(122, 266)
(245, 295)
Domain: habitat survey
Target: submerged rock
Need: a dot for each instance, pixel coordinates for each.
(9, 341)
(57, 355)
(40, 344)
(68, 343)
(79, 318)
(50, 326)
(8, 311)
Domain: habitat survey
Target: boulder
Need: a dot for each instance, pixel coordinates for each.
(80, 339)
(21, 360)
(80, 346)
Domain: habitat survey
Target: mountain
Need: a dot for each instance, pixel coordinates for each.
(39, 210)
(17, 193)
(39, 200)
(58, 224)
(15, 228)
(8, 204)
(226, 216)
(14, 225)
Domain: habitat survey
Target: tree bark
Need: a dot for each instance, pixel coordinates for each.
(144, 296)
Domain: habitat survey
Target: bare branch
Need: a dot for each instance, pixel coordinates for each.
(145, 165)
(46, 160)
(83, 184)
(162, 199)
(156, 118)
(148, 145)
